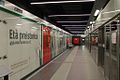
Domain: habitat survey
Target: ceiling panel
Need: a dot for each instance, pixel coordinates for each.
(46, 10)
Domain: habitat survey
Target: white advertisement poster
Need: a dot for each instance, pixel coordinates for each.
(114, 37)
(19, 45)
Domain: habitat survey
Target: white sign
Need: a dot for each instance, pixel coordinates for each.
(114, 37)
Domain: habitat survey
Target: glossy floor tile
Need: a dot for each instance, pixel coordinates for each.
(75, 64)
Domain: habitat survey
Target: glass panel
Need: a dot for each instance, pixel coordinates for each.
(101, 47)
(94, 45)
(114, 40)
(107, 51)
(114, 53)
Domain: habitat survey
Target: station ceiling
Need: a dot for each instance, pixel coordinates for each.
(71, 15)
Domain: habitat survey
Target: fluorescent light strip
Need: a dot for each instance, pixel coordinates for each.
(76, 29)
(76, 32)
(74, 25)
(34, 28)
(56, 2)
(71, 21)
(18, 24)
(96, 12)
(69, 15)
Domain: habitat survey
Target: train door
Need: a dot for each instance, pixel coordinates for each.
(46, 44)
(112, 50)
(62, 42)
(53, 44)
(56, 43)
(101, 46)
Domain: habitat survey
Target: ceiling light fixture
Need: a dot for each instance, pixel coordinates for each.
(34, 28)
(74, 25)
(90, 22)
(56, 2)
(76, 29)
(93, 22)
(68, 15)
(18, 24)
(72, 21)
(96, 12)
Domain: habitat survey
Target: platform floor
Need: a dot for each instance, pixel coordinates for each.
(74, 64)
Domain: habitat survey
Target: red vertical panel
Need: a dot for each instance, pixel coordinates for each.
(68, 40)
(76, 40)
(46, 45)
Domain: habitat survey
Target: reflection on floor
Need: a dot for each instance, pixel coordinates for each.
(75, 64)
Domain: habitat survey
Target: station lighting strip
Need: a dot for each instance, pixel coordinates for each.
(72, 21)
(56, 2)
(76, 29)
(68, 15)
(74, 25)
(96, 12)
